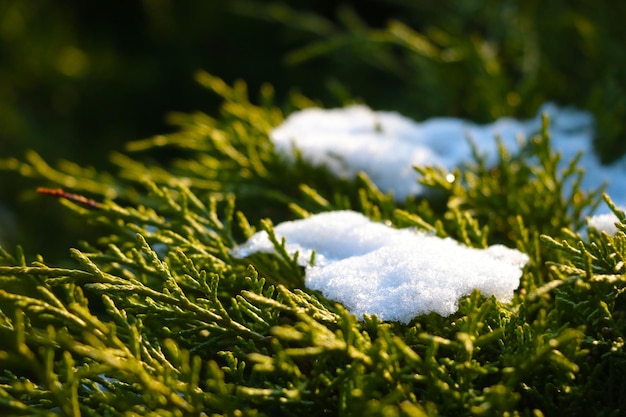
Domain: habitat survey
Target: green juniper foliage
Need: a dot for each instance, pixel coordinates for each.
(475, 60)
(156, 318)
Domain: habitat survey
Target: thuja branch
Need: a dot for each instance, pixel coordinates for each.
(173, 296)
(44, 271)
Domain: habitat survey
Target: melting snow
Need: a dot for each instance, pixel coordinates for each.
(396, 274)
(399, 274)
(386, 145)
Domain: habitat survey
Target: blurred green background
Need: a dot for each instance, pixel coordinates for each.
(80, 78)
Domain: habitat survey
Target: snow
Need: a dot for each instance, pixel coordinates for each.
(386, 145)
(604, 222)
(396, 274)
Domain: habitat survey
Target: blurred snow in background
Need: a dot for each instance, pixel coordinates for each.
(386, 145)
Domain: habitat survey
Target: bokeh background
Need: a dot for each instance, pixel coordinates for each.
(80, 78)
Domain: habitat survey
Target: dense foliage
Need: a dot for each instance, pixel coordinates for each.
(157, 318)
(151, 315)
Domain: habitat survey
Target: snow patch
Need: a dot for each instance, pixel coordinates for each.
(386, 145)
(604, 222)
(396, 274)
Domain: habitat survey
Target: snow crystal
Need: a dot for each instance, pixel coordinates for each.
(396, 274)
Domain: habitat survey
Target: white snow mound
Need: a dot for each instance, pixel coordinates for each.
(395, 274)
(386, 145)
